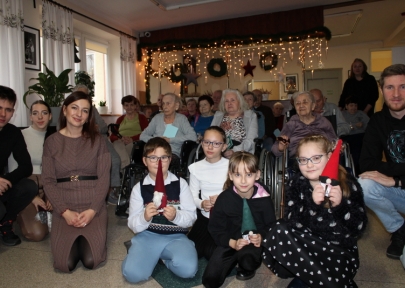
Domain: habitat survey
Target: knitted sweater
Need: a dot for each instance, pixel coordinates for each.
(341, 225)
(35, 146)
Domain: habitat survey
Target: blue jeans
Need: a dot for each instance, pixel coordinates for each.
(386, 202)
(176, 250)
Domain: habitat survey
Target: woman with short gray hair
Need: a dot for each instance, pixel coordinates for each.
(238, 122)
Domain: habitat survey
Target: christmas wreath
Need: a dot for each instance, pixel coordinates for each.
(264, 58)
(172, 75)
(222, 67)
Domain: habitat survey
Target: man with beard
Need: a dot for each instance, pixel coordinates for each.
(383, 182)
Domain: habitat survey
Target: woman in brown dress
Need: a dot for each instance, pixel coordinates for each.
(76, 175)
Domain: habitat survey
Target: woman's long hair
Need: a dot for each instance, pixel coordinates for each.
(49, 131)
(364, 68)
(326, 146)
(248, 159)
(89, 128)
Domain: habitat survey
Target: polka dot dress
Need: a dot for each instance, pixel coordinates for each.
(317, 262)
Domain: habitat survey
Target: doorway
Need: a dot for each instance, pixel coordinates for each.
(329, 81)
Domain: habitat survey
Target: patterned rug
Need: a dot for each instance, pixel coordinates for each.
(167, 279)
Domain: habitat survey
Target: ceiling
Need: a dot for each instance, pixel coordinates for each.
(351, 22)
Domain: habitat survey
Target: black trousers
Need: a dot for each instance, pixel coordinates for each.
(17, 198)
(224, 259)
(199, 234)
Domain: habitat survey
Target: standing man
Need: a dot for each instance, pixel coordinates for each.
(326, 109)
(384, 181)
(216, 97)
(16, 191)
(269, 121)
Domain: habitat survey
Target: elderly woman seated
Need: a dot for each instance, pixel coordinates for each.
(304, 123)
(173, 127)
(131, 126)
(238, 122)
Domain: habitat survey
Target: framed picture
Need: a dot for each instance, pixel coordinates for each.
(291, 82)
(32, 48)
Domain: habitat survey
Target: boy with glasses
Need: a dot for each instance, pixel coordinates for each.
(160, 228)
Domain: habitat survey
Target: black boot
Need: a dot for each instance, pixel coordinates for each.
(244, 275)
(396, 247)
(8, 237)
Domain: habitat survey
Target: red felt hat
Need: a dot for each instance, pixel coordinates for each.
(160, 184)
(331, 170)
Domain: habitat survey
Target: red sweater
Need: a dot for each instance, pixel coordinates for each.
(143, 122)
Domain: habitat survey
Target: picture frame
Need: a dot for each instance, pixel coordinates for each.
(32, 48)
(291, 82)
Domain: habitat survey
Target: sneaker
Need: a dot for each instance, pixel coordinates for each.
(396, 247)
(113, 196)
(8, 237)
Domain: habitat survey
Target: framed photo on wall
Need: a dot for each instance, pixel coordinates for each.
(291, 82)
(32, 52)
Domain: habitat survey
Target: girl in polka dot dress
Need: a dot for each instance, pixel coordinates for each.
(316, 242)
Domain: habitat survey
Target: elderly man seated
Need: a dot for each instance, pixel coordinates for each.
(324, 108)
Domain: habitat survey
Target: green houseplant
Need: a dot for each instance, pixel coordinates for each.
(82, 77)
(102, 103)
(51, 88)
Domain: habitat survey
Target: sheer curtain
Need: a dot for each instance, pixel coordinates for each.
(12, 62)
(57, 42)
(128, 58)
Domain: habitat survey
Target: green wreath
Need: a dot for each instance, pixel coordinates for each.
(274, 60)
(222, 65)
(172, 75)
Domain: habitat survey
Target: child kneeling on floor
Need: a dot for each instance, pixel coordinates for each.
(242, 215)
(160, 211)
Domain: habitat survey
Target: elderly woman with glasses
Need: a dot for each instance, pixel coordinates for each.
(303, 124)
(238, 122)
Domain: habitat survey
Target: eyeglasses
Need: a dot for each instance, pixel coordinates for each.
(154, 159)
(316, 159)
(207, 143)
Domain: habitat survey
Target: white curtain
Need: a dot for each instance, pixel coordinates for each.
(57, 42)
(12, 62)
(128, 59)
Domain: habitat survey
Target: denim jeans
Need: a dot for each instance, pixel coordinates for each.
(386, 202)
(176, 250)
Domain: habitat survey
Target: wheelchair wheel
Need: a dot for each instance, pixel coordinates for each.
(262, 166)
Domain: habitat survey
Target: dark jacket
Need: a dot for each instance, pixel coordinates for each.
(12, 141)
(226, 216)
(386, 134)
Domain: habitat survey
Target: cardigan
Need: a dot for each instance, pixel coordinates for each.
(143, 121)
(251, 126)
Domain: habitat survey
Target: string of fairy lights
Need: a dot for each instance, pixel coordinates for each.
(308, 53)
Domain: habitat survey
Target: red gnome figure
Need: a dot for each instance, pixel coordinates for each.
(330, 173)
(159, 196)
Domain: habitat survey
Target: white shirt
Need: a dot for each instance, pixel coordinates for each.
(209, 178)
(185, 215)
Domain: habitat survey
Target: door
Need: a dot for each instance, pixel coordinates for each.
(329, 81)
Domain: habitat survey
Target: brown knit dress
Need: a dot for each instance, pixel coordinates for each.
(63, 157)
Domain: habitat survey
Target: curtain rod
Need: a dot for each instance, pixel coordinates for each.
(78, 13)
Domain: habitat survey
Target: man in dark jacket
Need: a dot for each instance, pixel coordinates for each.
(383, 182)
(16, 191)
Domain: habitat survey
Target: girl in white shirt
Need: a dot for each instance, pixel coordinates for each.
(207, 178)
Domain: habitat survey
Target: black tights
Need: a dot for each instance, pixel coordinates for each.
(81, 250)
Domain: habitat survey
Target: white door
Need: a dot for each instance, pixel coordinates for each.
(329, 81)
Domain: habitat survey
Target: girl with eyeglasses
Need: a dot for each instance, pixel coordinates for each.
(207, 178)
(316, 242)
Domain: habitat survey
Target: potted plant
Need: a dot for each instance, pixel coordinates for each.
(82, 77)
(102, 109)
(51, 89)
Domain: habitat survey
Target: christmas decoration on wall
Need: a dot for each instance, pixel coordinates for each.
(249, 68)
(173, 76)
(268, 60)
(219, 62)
(191, 78)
